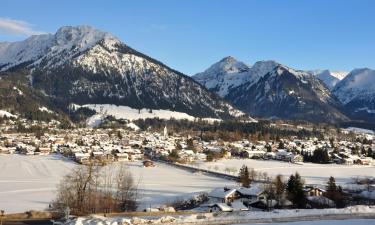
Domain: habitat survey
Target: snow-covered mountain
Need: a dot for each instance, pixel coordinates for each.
(357, 92)
(229, 73)
(329, 78)
(271, 90)
(83, 65)
(285, 93)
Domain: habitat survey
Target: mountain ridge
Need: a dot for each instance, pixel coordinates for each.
(83, 65)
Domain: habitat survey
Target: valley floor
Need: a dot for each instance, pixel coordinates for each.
(312, 173)
(326, 222)
(29, 182)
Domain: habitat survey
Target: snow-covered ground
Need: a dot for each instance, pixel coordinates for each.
(7, 114)
(125, 112)
(29, 182)
(163, 183)
(330, 216)
(327, 222)
(311, 172)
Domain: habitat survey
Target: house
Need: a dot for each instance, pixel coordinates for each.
(251, 195)
(253, 153)
(80, 157)
(122, 157)
(314, 191)
(220, 207)
(238, 206)
(224, 195)
(44, 150)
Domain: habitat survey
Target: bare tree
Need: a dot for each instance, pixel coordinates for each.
(127, 190)
(91, 189)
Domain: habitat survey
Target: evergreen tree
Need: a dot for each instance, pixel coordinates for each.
(244, 177)
(295, 191)
(334, 192)
(331, 184)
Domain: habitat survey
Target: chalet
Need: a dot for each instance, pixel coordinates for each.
(122, 157)
(44, 150)
(220, 207)
(238, 206)
(251, 195)
(224, 195)
(313, 191)
(80, 157)
(253, 154)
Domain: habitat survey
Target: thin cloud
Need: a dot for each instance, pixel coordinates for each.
(17, 27)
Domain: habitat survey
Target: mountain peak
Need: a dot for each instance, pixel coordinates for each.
(68, 40)
(82, 36)
(228, 59)
(228, 64)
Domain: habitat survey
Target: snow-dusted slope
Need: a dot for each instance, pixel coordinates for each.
(360, 83)
(125, 112)
(229, 73)
(86, 66)
(16, 53)
(329, 78)
(286, 93)
(271, 90)
(357, 92)
(48, 48)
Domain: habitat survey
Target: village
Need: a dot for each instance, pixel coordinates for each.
(130, 144)
(106, 145)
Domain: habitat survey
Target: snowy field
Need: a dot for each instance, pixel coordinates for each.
(346, 216)
(312, 173)
(327, 222)
(165, 184)
(29, 182)
(125, 112)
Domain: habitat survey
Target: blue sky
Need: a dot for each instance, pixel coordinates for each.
(190, 35)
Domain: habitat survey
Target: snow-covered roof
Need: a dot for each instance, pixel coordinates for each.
(221, 193)
(223, 207)
(254, 190)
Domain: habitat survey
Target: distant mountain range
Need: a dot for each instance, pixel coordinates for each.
(271, 90)
(82, 65)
